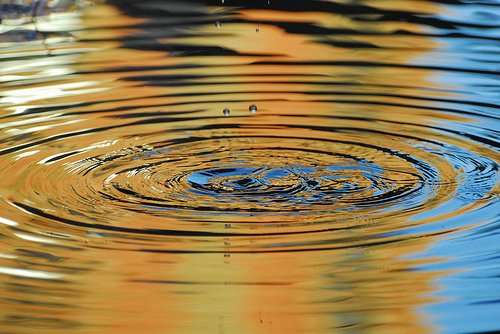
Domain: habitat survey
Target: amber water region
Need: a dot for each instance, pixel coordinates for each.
(230, 166)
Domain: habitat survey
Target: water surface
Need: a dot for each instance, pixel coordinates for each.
(139, 192)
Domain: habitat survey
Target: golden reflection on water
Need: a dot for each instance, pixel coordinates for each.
(105, 284)
(270, 293)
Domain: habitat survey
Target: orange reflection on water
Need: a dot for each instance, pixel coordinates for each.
(241, 284)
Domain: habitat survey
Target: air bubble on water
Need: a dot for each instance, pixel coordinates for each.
(218, 24)
(226, 111)
(252, 108)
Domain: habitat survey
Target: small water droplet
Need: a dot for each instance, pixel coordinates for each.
(218, 24)
(226, 111)
(252, 108)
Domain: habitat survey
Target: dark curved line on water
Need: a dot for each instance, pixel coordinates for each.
(319, 128)
(56, 137)
(124, 108)
(372, 65)
(338, 101)
(389, 121)
(392, 104)
(37, 57)
(62, 156)
(189, 50)
(297, 63)
(287, 250)
(478, 139)
(170, 120)
(190, 139)
(160, 232)
(145, 68)
(154, 82)
(385, 197)
(380, 199)
(159, 163)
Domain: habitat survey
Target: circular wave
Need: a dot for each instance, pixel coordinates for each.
(198, 181)
(214, 131)
(286, 166)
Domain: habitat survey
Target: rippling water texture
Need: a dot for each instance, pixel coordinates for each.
(359, 195)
